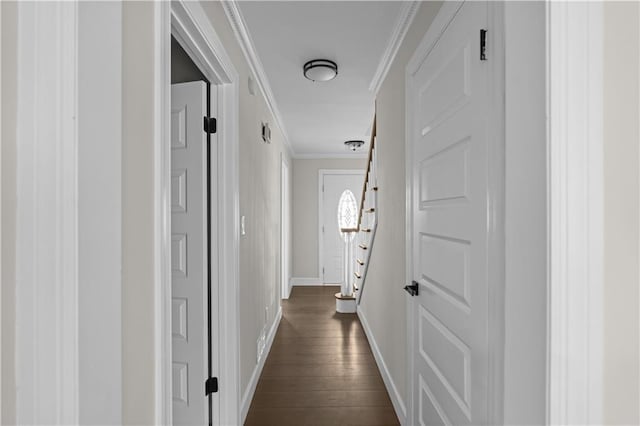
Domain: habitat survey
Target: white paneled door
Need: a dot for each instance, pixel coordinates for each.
(188, 253)
(449, 104)
(333, 184)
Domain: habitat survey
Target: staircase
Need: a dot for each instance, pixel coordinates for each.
(367, 221)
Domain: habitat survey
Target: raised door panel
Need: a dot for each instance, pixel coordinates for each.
(448, 151)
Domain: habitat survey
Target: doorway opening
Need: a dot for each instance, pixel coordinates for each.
(189, 24)
(332, 183)
(192, 286)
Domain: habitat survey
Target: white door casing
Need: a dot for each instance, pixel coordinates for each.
(451, 228)
(189, 253)
(284, 228)
(332, 184)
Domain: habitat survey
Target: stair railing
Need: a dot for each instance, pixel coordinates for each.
(367, 219)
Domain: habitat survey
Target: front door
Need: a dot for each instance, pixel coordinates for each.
(450, 233)
(189, 253)
(333, 185)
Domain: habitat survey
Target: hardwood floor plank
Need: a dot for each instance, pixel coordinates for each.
(358, 398)
(289, 357)
(352, 416)
(275, 384)
(320, 370)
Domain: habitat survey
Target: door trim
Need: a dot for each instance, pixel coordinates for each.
(285, 226)
(321, 174)
(575, 245)
(188, 22)
(496, 149)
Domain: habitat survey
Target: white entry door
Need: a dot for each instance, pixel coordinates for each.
(188, 253)
(334, 183)
(450, 232)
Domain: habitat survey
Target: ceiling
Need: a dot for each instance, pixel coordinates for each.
(318, 117)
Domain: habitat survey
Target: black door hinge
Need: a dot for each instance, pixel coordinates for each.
(483, 45)
(211, 386)
(210, 125)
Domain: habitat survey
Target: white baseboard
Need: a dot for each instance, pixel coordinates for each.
(396, 400)
(247, 397)
(299, 281)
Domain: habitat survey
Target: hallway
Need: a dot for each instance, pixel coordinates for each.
(320, 370)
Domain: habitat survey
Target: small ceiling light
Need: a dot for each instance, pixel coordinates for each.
(354, 145)
(320, 70)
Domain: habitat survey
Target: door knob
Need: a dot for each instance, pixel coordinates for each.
(412, 288)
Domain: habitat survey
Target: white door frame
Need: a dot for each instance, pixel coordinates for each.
(575, 190)
(496, 154)
(285, 226)
(575, 212)
(188, 22)
(321, 174)
(57, 172)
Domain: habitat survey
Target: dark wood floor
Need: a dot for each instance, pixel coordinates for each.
(320, 370)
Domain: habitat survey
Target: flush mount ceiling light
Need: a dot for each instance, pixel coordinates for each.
(320, 70)
(354, 145)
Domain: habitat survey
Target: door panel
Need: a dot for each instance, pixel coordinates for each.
(188, 253)
(448, 141)
(333, 245)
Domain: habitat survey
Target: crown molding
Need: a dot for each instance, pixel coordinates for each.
(408, 11)
(330, 156)
(235, 18)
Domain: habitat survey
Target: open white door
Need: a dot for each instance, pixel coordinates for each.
(189, 253)
(333, 184)
(449, 107)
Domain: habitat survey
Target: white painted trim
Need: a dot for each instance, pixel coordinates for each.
(191, 26)
(241, 31)
(340, 156)
(47, 215)
(446, 13)
(408, 11)
(496, 150)
(285, 226)
(257, 371)
(302, 282)
(321, 174)
(1, 211)
(496, 204)
(398, 404)
(193, 30)
(575, 212)
(229, 251)
(163, 395)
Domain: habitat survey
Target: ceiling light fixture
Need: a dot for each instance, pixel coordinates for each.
(320, 70)
(354, 145)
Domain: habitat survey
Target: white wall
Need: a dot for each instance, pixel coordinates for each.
(9, 106)
(621, 228)
(305, 210)
(383, 301)
(525, 216)
(259, 203)
(99, 207)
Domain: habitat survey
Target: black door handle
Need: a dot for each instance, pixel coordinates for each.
(412, 289)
